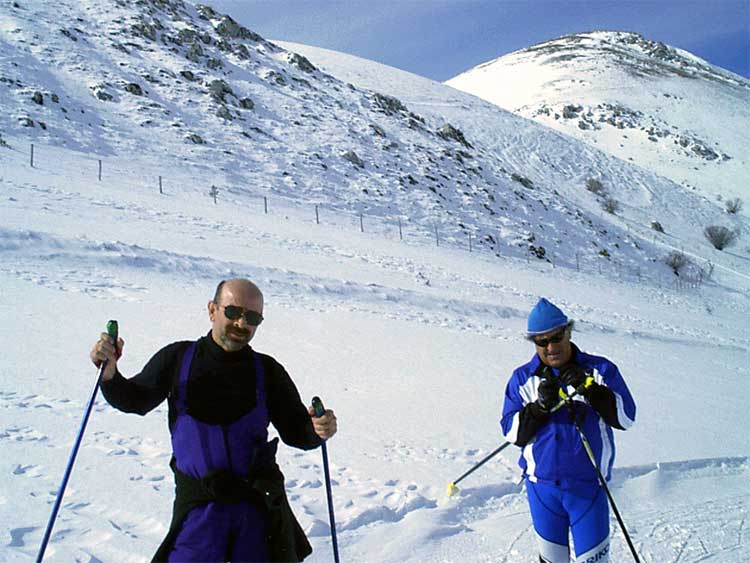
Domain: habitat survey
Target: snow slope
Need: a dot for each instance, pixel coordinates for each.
(185, 86)
(410, 343)
(637, 99)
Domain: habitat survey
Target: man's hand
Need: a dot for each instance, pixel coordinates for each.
(103, 350)
(574, 376)
(548, 394)
(325, 426)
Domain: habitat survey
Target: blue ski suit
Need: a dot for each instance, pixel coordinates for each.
(562, 485)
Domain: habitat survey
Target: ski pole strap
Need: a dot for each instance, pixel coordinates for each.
(587, 384)
(564, 399)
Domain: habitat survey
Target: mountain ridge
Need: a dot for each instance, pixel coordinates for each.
(191, 85)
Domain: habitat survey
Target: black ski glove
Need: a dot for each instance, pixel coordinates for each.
(548, 394)
(574, 376)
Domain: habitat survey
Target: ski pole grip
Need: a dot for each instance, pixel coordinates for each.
(112, 330)
(318, 406)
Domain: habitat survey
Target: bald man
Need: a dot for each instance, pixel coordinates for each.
(230, 503)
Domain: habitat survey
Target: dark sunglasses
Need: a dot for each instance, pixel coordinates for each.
(554, 339)
(233, 312)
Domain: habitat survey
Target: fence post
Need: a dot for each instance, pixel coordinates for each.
(470, 242)
(265, 205)
(578, 265)
(437, 236)
(100, 170)
(317, 217)
(400, 233)
(361, 224)
(32, 155)
(161, 191)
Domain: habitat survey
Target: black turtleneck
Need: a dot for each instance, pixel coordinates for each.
(220, 390)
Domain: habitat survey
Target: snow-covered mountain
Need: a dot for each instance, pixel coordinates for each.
(163, 78)
(409, 342)
(640, 100)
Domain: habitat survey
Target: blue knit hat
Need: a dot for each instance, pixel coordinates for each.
(545, 317)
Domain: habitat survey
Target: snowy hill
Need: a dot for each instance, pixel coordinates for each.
(410, 342)
(183, 84)
(643, 101)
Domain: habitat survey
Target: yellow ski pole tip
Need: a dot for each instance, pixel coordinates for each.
(452, 489)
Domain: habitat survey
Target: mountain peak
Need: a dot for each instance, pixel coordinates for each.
(640, 100)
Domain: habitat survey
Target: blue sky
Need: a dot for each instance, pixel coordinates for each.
(442, 38)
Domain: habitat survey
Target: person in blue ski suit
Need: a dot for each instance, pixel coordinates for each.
(563, 489)
(230, 503)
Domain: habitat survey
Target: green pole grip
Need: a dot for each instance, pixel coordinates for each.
(112, 330)
(318, 407)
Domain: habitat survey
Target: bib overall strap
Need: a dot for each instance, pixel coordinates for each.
(260, 381)
(187, 360)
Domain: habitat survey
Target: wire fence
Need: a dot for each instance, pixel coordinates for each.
(396, 226)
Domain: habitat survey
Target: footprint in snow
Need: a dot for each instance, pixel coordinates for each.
(17, 536)
(23, 434)
(29, 470)
(318, 529)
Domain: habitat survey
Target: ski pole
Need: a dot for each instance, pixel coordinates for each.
(112, 331)
(602, 481)
(453, 489)
(320, 411)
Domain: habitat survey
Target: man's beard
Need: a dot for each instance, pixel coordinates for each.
(235, 344)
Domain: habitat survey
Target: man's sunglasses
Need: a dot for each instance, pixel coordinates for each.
(554, 339)
(233, 312)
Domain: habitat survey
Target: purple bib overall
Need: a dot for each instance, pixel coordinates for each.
(219, 532)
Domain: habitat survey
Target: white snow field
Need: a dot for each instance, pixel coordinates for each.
(411, 344)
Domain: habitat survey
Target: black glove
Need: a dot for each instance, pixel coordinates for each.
(548, 394)
(574, 376)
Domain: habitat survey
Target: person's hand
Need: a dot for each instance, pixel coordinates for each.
(104, 350)
(574, 376)
(325, 426)
(548, 394)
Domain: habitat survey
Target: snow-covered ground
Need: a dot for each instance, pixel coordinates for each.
(411, 345)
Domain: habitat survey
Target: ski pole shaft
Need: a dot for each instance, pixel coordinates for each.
(603, 482)
(320, 411)
(452, 486)
(112, 331)
(482, 462)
